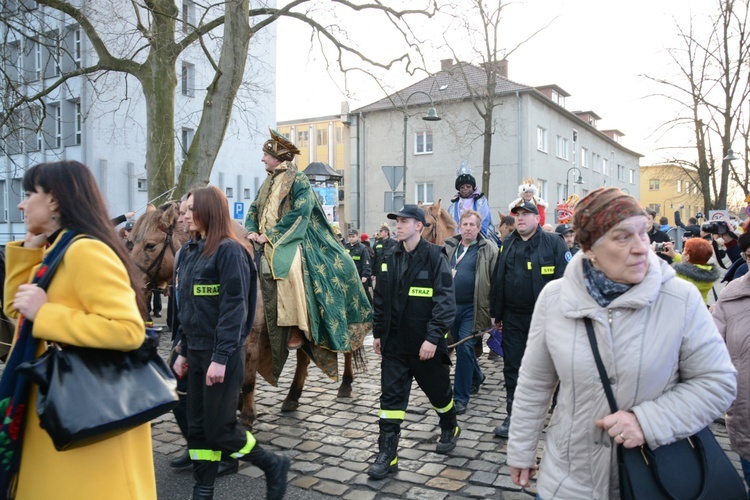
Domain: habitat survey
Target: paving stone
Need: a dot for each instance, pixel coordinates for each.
(412, 477)
(358, 466)
(252, 471)
(419, 493)
(309, 457)
(336, 474)
(286, 442)
(306, 467)
(330, 488)
(481, 465)
(431, 469)
(443, 483)
(457, 474)
(305, 482)
(481, 492)
(484, 478)
(504, 481)
(335, 451)
(358, 455)
(360, 495)
(308, 445)
(398, 489)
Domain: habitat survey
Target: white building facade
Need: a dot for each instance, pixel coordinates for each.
(100, 119)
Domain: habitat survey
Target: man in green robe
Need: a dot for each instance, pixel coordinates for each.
(310, 286)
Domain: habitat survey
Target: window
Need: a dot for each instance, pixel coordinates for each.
(321, 137)
(543, 194)
(541, 139)
(562, 148)
(247, 193)
(653, 184)
(78, 124)
(695, 188)
(188, 15)
(53, 125)
(188, 79)
(632, 176)
(423, 193)
(142, 185)
(596, 162)
(621, 172)
(584, 158)
(38, 59)
(230, 192)
(656, 207)
(77, 47)
(687, 187)
(186, 139)
(560, 192)
(423, 143)
(679, 185)
(303, 139)
(605, 167)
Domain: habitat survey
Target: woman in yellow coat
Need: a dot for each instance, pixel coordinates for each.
(91, 302)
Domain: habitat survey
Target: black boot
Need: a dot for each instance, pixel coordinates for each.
(203, 492)
(204, 473)
(275, 468)
(449, 432)
(503, 430)
(387, 459)
(182, 461)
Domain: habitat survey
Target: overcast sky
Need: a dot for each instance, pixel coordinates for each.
(597, 50)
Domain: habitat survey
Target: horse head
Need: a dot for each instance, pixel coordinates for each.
(441, 224)
(155, 239)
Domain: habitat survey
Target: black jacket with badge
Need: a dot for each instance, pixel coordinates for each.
(216, 297)
(382, 248)
(361, 257)
(422, 299)
(548, 262)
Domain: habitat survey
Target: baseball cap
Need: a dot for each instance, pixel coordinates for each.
(410, 212)
(526, 205)
(353, 232)
(563, 229)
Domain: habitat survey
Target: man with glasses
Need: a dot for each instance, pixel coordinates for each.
(529, 259)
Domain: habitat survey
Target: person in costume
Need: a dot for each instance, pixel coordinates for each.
(529, 192)
(469, 197)
(311, 290)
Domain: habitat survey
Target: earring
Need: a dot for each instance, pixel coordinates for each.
(54, 217)
(593, 260)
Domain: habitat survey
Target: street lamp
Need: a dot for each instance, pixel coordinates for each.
(577, 181)
(431, 116)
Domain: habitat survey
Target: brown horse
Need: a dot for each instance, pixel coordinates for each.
(441, 224)
(155, 239)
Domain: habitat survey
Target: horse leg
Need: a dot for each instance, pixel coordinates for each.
(247, 397)
(291, 402)
(345, 390)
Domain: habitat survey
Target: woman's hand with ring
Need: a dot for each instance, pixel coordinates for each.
(624, 428)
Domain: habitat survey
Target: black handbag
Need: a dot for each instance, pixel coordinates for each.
(691, 468)
(88, 395)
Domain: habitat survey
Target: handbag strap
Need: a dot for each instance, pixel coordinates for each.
(600, 365)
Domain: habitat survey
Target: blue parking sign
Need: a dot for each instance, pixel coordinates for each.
(239, 210)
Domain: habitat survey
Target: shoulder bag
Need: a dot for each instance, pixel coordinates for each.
(87, 395)
(690, 468)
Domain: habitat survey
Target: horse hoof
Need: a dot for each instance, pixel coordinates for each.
(344, 392)
(289, 405)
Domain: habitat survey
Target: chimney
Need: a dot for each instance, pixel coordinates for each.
(502, 68)
(445, 64)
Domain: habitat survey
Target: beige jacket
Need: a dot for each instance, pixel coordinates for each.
(732, 317)
(666, 363)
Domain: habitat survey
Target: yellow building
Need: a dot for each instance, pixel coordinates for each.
(665, 187)
(323, 139)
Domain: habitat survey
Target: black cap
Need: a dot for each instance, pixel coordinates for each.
(526, 205)
(563, 229)
(353, 231)
(466, 179)
(410, 212)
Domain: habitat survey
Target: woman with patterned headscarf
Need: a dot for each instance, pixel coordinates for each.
(312, 293)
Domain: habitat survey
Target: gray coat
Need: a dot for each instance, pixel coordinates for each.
(666, 362)
(732, 317)
(486, 257)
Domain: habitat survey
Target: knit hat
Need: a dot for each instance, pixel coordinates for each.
(364, 237)
(601, 210)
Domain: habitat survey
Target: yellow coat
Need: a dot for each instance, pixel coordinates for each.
(90, 304)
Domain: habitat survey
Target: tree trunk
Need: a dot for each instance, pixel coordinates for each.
(217, 107)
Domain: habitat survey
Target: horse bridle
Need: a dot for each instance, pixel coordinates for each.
(432, 234)
(152, 271)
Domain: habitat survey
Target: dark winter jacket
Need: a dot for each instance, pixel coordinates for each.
(216, 297)
(361, 257)
(382, 248)
(548, 261)
(422, 298)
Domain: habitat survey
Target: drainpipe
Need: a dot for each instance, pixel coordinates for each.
(362, 193)
(520, 141)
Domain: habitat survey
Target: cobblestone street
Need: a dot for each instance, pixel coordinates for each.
(331, 442)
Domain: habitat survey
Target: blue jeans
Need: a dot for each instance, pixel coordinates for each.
(746, 471)
(467, 367)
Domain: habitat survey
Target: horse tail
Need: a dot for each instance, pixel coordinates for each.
(360, 360)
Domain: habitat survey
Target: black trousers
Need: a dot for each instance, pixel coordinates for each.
(433, 377)
(515, 334)
(213, 429)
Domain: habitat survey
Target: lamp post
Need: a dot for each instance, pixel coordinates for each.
(577, 181)
(431, 116)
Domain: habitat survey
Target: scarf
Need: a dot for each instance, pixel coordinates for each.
(15, 388)
(602, 289)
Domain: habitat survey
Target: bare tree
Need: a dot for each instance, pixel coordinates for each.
(481, 19)
(145, 42)
(712, 88)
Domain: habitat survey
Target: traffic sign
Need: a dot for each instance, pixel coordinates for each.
(394, 176)
(239, 210)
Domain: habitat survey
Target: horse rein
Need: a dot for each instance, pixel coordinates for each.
(152, 284)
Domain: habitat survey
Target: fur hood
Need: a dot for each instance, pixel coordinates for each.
(708, 273)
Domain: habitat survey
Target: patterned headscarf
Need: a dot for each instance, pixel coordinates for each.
(601, 210)
(280, 147)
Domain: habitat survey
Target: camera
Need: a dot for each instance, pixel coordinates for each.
(715, 227)
(660, 247)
